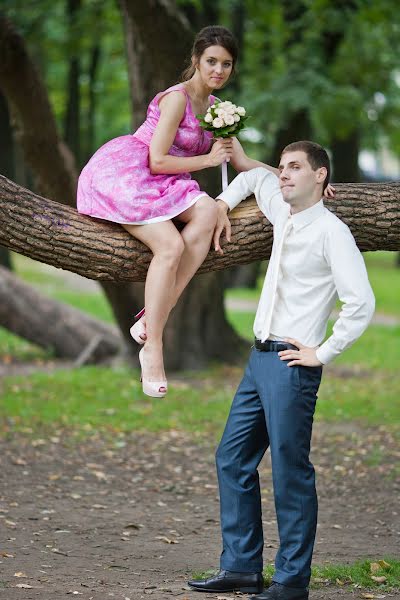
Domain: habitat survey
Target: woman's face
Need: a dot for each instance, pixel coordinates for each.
(215, 66)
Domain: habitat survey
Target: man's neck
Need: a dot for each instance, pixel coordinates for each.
(299, 207)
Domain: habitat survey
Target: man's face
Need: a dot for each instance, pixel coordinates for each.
(299, 182)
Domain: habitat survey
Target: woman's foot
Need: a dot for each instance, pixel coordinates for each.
(138, 329)
(153, 377)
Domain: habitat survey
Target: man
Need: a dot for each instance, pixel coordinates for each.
(314, 260)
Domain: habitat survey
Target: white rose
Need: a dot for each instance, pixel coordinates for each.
(220, 112)
(230, 109)
(212, 106)
(218, 122)
(236, 117)
(229, 119)
(208, 118)
(241, 111)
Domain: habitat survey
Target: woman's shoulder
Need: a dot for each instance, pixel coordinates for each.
(177, 92)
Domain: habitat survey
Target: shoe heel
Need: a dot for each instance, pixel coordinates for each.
(251, 590)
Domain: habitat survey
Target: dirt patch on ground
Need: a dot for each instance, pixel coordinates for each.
(134, 516)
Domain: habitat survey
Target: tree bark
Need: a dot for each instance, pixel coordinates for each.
(345, 158)
(7, 161)
(72, 124)
(68, 332)
(60, 236)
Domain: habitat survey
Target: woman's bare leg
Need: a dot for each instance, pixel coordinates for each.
(197, 234)
(167, 246)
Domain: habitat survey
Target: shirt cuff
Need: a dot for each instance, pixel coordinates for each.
(231, 199)
(325, 354)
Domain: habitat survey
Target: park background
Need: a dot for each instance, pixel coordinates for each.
(75, 426)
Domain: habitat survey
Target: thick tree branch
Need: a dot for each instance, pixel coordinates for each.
(60, 236)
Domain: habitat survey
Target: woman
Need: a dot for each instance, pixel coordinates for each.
(142, 181)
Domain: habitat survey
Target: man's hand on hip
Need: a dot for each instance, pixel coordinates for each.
(222, 223)
(304, 356)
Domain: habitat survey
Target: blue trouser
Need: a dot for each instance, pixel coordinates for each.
(273, 406)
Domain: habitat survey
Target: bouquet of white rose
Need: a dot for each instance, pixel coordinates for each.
(224, 119)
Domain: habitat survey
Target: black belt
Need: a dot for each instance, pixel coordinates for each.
(273, 346)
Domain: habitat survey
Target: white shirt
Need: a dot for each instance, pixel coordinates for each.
(314, 261)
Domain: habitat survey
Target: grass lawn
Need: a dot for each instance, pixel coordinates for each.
(111, 398)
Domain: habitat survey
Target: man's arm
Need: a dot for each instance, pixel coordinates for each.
(260, 182)
(354, 291)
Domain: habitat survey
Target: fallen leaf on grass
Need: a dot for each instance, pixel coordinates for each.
(24, 585)
(20, 574)
(384, 565)
(380, 579)
(6, 555)
(320, 580)
(374, 567)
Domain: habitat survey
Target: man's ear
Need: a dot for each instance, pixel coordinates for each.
(321, 174)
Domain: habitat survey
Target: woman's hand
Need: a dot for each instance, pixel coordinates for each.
(222, 150)
(222, 223)
(329, 191)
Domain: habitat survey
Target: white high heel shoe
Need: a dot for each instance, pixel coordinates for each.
(138, 329)
(155, 389)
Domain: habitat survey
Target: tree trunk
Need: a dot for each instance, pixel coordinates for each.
(6, 163)
(68, 332)
(345, 158)
(90, 119)
(158, 38)
(60, 236)
(49, 158)
(72, 129)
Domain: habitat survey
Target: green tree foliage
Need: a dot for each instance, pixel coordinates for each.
(334, 58)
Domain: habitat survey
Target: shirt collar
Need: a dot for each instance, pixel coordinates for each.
(307, 216)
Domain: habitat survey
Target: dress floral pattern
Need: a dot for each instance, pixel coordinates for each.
(117, 185)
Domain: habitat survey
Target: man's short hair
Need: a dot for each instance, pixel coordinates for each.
(317, 156)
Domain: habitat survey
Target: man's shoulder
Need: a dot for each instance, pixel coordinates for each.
(333, 224)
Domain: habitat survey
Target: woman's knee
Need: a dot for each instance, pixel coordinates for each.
(170, 251)
(205, 212)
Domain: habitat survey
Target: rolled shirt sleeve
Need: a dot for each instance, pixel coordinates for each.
(354, 291)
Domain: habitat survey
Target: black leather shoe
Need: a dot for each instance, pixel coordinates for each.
(229, 581)
(277, 591)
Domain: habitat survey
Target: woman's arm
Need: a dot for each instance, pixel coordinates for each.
(172, 108)
(241, 162)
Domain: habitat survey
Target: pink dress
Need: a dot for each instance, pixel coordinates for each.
(117, 184)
